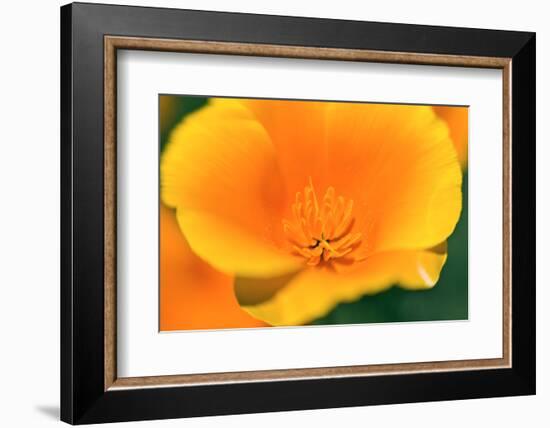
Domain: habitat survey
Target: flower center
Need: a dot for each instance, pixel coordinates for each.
(321, 232)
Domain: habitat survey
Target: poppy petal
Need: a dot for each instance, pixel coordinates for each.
(231, 248)
(296, 130)
(399, 166)
(314, 292)
(457, 121)
(219, 170)
(193, 295)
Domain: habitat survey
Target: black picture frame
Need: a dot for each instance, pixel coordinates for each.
(83, 396)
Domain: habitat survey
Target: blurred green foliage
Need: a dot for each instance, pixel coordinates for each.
(447, 300)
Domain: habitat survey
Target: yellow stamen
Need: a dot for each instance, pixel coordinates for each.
(321, 232)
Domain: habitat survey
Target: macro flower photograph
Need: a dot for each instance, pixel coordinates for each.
(280, 213)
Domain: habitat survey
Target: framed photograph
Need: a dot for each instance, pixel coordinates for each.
(265, 213)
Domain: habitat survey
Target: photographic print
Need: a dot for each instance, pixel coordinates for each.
(280, 213)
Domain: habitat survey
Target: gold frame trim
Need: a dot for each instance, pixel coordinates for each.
(113, 43)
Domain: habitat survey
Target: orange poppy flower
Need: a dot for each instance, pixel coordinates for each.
(309, 204)
(192, 294)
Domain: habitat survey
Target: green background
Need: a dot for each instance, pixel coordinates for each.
(448, 300)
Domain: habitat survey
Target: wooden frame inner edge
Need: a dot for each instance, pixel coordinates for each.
(112, 43)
